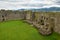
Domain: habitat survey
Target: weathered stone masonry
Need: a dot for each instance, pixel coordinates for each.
(45, 22)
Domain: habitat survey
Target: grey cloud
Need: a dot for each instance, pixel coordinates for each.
(13, 0)
(17, 4)
(33, 5)
(58, 2)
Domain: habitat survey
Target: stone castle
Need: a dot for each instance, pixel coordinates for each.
(45, 22)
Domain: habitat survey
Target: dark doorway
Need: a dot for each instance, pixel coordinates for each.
(3, 19)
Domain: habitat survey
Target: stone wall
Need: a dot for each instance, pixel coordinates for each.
(46, 22)
(11, 15)
(57, 23)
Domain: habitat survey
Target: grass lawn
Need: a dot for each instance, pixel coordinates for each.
(19, 30)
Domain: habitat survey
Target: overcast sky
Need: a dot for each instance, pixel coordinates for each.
(18, 4)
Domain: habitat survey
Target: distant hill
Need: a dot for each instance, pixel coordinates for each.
(57, 9)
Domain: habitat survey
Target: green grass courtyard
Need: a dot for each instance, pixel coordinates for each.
(20, 30)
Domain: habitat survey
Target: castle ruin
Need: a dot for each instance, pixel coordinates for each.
(45, 22)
